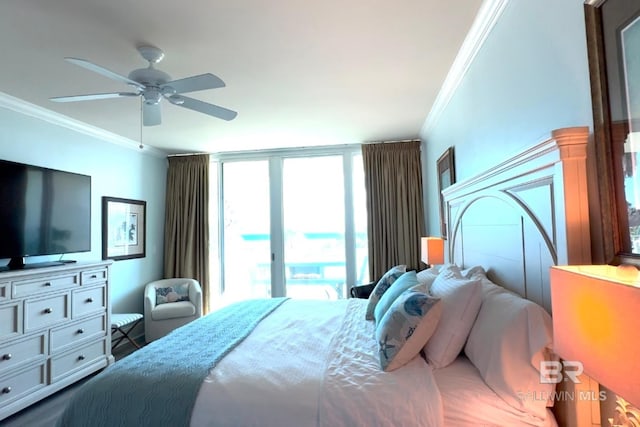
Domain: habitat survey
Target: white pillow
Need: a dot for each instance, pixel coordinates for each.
(381, 287)
(488, 287)
(509, 339)
(450, 270)
(461, 299)
(467, 273)
(406, 327)
(427, 277)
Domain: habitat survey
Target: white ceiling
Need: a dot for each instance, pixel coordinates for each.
(298, 72)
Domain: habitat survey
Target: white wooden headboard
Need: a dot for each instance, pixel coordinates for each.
(524, 215)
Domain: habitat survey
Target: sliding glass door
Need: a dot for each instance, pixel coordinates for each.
(314, 227)
(290, 224)
(245, 230)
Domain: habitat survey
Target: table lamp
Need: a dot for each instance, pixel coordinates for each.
(432, 250)
(596, 322)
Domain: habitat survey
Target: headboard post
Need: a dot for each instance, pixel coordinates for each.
(572, 145)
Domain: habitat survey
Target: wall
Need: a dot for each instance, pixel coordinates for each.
(530, 76)
(115, 171)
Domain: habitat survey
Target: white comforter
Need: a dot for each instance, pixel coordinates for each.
(315, 363)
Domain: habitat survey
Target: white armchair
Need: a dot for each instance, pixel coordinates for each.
(160, 319)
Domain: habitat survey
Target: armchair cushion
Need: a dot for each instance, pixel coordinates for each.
(173, 310)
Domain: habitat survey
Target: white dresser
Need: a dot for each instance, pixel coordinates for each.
(54, 330)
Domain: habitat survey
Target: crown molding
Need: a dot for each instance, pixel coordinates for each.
(488, 15)
(23, 107)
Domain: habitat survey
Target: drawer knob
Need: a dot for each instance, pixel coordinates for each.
(89, 300)
(81, 331)
(6, 390)
(47, 284)
(93, 276)
(48, 310)
(7, 356)
(81, 357)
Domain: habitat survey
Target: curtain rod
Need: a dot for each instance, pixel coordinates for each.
(187, 154)
(271, 150)
(392, 141)
(291, 148)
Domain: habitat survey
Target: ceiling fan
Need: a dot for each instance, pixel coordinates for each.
(153, 85)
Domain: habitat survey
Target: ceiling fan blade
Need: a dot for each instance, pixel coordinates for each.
(203, 107)
(91, 97)
(151, 114)
(192, 84)
(101, 70)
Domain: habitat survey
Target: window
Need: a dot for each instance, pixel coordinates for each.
(289, 223)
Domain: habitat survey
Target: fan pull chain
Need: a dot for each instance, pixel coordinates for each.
(141, 123)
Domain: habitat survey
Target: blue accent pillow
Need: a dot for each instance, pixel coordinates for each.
(173, 293)
(406, 281)
(381, 287)
(406, 327)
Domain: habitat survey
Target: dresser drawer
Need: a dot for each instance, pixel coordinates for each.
(93, 276)
(22, 383)
(87, 301)
(22, 352)
(46, 312)
(5, 291)
(27, 288)
(10, 320)
(76, 359)
(65, 336)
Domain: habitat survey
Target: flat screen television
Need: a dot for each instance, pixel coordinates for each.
(42, 212)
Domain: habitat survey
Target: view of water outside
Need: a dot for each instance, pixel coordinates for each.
(314, 228)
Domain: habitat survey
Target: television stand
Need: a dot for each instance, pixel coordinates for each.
(16, 263)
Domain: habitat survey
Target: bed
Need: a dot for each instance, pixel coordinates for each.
(286, 362)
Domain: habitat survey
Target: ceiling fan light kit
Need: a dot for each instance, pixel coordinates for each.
(153, 85)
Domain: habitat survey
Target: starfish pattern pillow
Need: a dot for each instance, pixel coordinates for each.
(406, 327)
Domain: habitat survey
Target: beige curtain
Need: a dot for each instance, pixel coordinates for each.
(186, 229)
(395, 214)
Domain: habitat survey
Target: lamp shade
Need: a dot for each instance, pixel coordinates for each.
(596, 321)
(432, 251)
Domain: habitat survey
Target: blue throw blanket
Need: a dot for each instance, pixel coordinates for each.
(158, 384)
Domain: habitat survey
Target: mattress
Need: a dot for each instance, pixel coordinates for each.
(469, 402)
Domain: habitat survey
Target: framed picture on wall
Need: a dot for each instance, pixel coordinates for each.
(613, 43)
(446, 177)
(123, 228)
